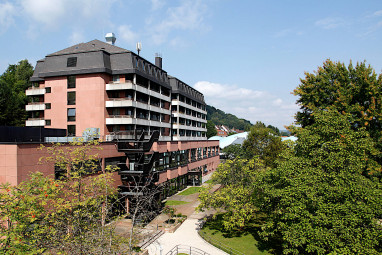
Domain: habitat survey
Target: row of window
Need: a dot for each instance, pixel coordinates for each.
(175, 159)
(188, 101)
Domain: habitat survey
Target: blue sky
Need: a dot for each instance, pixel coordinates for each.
(246, 56)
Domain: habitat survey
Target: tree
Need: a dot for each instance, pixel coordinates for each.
(13, 83)
(263, 142)
(236, 197)
(211, 131)
(353, 90)
(67, 215)
(321, 199)
(233, 151)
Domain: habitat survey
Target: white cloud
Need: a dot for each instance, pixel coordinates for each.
(126, 34)
(157, 4)
(52, 14)
(7, 13)
(187, 16)
(249, 104)
(46, 12)
(330, 23)
(377, 13)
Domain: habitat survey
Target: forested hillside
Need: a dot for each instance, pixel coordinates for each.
(218, 117)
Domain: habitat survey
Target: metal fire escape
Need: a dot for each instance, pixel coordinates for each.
(138, 175)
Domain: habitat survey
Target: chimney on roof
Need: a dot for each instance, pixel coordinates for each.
(158, 60)
(110, 38)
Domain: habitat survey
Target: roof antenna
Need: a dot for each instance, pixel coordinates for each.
(139, 47)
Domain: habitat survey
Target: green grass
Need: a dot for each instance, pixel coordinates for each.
(176, 202)
(209, 181)
(190, 191)
(246, 241)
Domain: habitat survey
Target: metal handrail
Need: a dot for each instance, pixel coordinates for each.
(180, 248)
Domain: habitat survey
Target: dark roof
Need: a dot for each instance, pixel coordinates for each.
(94, 45)
(186, 90)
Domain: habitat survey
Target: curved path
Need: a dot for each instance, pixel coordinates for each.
(186, 234)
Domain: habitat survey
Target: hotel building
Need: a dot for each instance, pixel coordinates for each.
(148, 121)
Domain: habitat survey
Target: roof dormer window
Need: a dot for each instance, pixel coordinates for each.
(72, 62)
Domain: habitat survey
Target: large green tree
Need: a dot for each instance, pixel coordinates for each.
(236, 197)
(263, 142)
(356, 90)
(321, 198)
(13, 83)
(211, 131)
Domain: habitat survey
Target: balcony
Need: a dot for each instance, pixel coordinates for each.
(38, 106)
(119, 120)
(126, 120)
(119, 86)
(35, 91)
(120, 102)
(136, 87)
(180, 126)
(35, 122)
(180, 103)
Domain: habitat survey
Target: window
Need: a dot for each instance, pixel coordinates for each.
(47, 122)
(116, 78)
(48, 106)
(71, 130)
(71, 81)
(72, 62)
(116, 111)
(72, 114)
(48, 90)
(71, 98)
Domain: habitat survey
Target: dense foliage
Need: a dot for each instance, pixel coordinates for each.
(323, 194)
(211, 130)
(356, 90)
(13, 83)
(321, 198)
(66, 216)
(237, 197)
(218, 117)
(263, 142)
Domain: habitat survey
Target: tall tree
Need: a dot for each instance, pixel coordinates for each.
(320, 200)
(13, 83)
(354, 90)
(263, 142)
(211, 131)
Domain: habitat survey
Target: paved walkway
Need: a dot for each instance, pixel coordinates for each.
(187, 234)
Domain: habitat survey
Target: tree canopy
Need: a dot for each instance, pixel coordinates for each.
(322, 194)
(218, 117)
(356, 90)
(321, 199)
(263, 142)
(211, 131)
(13, 83)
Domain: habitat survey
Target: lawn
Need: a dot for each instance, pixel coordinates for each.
(209, 181)
(244, 242)
(190, 191)
(176, 202)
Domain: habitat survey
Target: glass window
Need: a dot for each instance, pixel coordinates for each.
(48, 90)
(71, 81)
(71, 114)
(72, 98)
(116, 78)
(48, 106)
(71, 130)
(47, 122)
